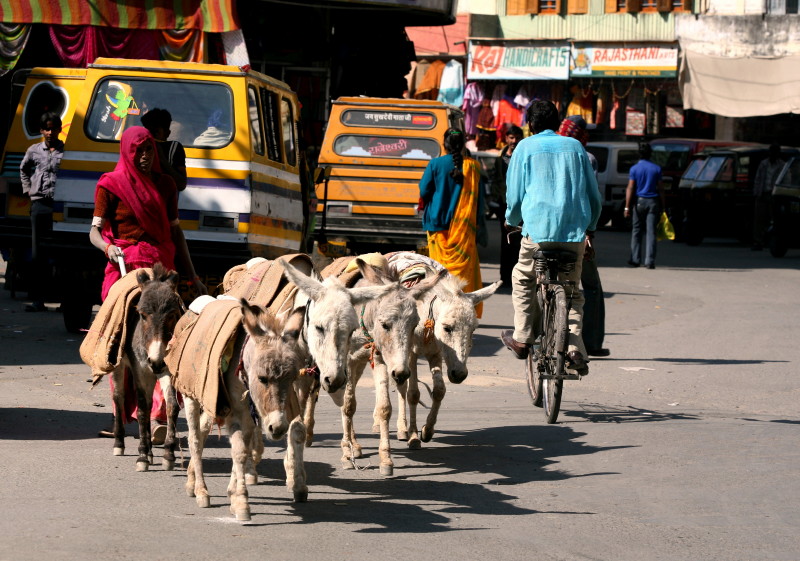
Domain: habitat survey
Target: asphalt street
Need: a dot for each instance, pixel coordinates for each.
(682, 445)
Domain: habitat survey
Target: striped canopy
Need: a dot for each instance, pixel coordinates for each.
(214, 16)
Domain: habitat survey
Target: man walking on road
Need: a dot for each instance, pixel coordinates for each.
(645, 181)
(553, 192)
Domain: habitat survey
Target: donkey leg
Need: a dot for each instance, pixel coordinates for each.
(437, 395)
(293, 461)
(199, 427)
(118, 396)
(240, 431)
(144, 398)
(413, 400)
(308, 415)
(383, 407)
(171, 441)
(351, 449)
(402, 420)
(254, 458)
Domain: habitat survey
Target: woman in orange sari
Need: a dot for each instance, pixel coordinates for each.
(453, 211)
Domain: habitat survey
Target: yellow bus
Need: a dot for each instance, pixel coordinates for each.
(374, 153)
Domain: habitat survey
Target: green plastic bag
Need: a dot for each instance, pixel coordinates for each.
(665, 230)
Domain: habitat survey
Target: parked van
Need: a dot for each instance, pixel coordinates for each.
(785, 229)
(374, 153)
(614, 161)
(716, 192)
(246, 195)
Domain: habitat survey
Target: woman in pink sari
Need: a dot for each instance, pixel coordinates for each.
(136, 219)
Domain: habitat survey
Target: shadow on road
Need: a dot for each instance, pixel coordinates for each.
(597, 413)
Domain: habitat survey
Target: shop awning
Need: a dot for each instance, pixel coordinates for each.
(441, 39)
(214, 16)
(740, 87)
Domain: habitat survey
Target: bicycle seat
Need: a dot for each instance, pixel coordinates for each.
(563, 256)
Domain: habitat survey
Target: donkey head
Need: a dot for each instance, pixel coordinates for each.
(330, 322)
(392, 319)
(272, 363)
(159, 309)
(455, 322)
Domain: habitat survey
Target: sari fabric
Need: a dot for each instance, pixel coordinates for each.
(456, 248)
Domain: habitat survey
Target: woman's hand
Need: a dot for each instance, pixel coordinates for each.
(114, 253)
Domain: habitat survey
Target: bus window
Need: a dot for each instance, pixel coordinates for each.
(272, 123)
(287, 126)
(255, 121)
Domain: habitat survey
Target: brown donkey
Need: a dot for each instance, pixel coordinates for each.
(151, 325)
(265, 367)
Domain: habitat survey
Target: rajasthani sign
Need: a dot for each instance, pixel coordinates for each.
(517, 61)
(624, 61)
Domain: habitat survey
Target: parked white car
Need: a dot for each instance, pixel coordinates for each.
(614, 161)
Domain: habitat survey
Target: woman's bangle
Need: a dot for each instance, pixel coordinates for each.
(106, 250)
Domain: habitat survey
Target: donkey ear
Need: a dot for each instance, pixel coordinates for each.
(420, 289)
(142, 277)
(483, 293)
(294, 324)
(308, 285)
(172, 279)
(365, 293)
(250, 319)
(373, 274)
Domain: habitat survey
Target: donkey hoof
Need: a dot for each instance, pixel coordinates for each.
(250, 479)
(301, 496)
(190, 490)
(168, 465)
(347, 464)
(243, 515)
(357, 453)
(402, 435)
(119, 451)
(414, 444)
(142, 466)
(309, 442)
(203, 501)
(427, 434)
(387, 471)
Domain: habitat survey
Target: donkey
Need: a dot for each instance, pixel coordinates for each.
(329, 322)
(385, 340)
(447, 323)
(151, 325)
(270, 361)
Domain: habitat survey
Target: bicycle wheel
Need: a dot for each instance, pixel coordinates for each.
(556, 333)
(534, 378)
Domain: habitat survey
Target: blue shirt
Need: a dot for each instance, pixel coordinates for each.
(646, 176)
(551, 187)
(440, 193)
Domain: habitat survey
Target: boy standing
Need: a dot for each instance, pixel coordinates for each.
(38, 172)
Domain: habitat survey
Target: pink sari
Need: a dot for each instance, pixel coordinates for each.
(149, 206)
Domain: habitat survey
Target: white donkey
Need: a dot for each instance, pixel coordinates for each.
(385, 339)
(443, 334)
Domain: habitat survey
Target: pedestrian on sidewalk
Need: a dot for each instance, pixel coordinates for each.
(766, 176)
(38, 172)
(645, 201)
(509, 239)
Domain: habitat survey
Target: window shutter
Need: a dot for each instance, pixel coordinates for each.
(521, 7)
(577, 6)
(611, 6)
(633, 5)
(664, 5)
(558, 7)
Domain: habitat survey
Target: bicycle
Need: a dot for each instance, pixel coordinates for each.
(545, 366)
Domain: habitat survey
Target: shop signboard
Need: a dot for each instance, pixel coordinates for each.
(500, 60)
(624, 61)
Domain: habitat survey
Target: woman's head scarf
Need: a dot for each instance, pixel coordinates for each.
(137, 190)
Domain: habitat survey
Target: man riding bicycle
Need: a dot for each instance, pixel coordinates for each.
(552, 191)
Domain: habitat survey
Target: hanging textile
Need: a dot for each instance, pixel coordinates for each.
(582, 103)
(13, 38)
(78, 46)
(429, 87)
(213, 16)
(507, 114)
(235, 48)
(451, 87)
(181, 45)
(473, 98)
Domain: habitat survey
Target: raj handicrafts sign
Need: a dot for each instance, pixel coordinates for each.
(628, 61)
(502, 61)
